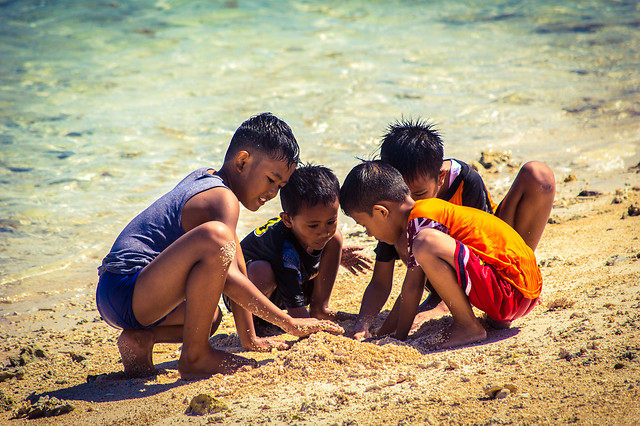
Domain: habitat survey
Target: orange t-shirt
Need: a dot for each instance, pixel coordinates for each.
(490, 238)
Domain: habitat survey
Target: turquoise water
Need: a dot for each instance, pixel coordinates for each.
(106, 105)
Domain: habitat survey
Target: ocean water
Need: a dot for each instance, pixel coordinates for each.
(105, 105)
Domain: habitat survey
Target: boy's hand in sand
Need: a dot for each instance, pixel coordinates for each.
(356, 263)
(301, 327)
(266, 344)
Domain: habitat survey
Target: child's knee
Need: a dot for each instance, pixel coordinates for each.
(540, 175)
(431, 241)
(262, 276)
(216, 239)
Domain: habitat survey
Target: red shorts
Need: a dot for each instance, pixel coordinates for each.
(486, 290)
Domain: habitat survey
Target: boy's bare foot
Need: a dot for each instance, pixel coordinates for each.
(457, 335)
(136, 348)
(213, 362)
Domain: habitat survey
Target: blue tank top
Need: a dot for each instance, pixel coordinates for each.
(157, 227)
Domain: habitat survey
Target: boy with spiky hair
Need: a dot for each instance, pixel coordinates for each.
(471, 258)
(294, 259)
(415, 148)
(162, 280)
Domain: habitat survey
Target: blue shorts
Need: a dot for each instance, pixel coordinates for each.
(114, 297)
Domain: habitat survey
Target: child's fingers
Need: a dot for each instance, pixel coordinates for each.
(351, 249)
(331, 327)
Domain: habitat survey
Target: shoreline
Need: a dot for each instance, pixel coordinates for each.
(574, 359)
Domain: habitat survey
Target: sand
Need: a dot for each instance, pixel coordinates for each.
(574, 359)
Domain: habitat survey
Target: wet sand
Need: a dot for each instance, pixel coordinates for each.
(574, 359)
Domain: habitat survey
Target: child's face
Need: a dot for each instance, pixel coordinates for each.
(423, 186)
(378, 225)
(262, 178)
(314, 226)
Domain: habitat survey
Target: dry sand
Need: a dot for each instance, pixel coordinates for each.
(574, 359)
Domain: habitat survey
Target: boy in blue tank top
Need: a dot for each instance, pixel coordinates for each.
(294, 259)
(164, 276)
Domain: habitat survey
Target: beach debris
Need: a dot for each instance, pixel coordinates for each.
(77, 357)
(615, 259)
(492, 159)
(27, 355)
(617, 200)
(560, 303)
(633, 210)
(495, 391)
(570, 178)
(451, 365)
(554, 219)
(202, 404)
(587, 193)
(9, 374)
(551, 261)
(564, 354)
(6, 402)
(44, 407)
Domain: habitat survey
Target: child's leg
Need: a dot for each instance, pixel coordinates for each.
(527, 205)
(435, 252)
(323, 283)
(136, 346)
(192, 270)
(261, 275)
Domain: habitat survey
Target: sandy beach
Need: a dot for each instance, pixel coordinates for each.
(574, 359)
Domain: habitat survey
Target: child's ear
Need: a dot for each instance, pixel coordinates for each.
(441, 176)
(381, 210)
(286, 219)
(240, 160)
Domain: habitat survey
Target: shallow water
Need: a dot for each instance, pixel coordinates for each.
(104, 106)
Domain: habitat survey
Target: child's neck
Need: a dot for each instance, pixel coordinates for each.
(404, 211)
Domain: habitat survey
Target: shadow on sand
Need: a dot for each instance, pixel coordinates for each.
(117, 386)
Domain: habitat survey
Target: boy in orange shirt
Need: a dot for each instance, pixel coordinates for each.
(416, 150)
(469, 256)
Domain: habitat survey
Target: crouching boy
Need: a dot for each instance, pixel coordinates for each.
(471, 258)
(294, 259)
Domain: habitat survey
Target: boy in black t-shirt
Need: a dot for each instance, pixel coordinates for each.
(294, 259)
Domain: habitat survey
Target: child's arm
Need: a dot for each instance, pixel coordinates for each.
(244, 320)
(406, 305)
(324, 281)
(409, 298)
(391, 322)
(242, 291)
(374, 298)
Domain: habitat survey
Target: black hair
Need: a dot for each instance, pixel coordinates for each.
(268, 134)
(309, 185)
(414, 148)
(369, 183)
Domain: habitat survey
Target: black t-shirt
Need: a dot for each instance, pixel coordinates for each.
(293, 267)
(467, 189)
